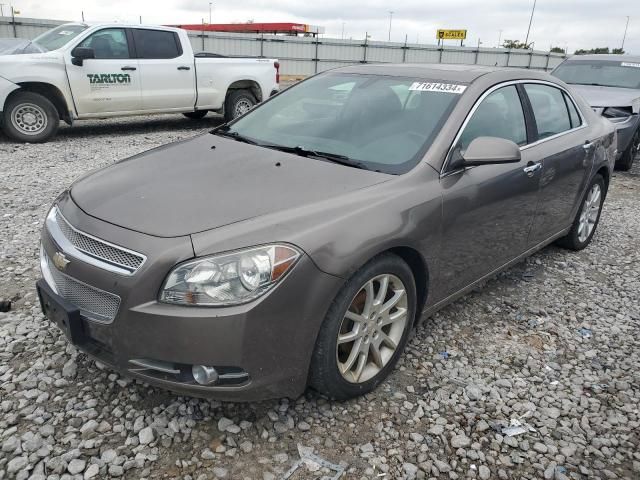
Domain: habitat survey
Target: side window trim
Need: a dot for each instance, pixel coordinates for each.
(489, 91)
(132, 44)
(529, 117)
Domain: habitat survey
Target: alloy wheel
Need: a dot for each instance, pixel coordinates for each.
(372, 328)
(29, 118)
(589, 213)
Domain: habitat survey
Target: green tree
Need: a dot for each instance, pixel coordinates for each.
(557, 50)
(597, 50)
(617, 51)
(514, 44)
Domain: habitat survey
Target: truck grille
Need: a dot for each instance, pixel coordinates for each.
(93, 303)
(100, 250)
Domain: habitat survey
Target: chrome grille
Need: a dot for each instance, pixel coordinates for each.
(111, 254)
(92, 302)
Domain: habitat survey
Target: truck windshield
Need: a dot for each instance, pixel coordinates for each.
(380, 123)
(59, 36)
(605, 73)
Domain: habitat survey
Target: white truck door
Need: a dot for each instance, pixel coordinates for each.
(110, 82)
(168, 79)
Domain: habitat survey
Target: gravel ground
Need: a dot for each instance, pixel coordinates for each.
(552, 343)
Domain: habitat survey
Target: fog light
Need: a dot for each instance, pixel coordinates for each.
(204, 375)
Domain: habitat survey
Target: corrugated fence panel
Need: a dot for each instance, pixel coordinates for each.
(351, 51)
(423, 55)
(302, 56)
(458, 56)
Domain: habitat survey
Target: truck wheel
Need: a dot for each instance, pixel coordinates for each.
(30, 117)
(238, 103)
(197, 115)
(626, 161)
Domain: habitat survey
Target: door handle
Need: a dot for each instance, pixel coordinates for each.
(184, 68)
(532, 168)
(128, 68)
(588, 145)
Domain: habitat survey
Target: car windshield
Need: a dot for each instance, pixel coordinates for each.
(379, 123)
(59, 36)
(606, 73)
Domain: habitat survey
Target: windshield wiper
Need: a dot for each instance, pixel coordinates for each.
(332, 157)
(225, 131)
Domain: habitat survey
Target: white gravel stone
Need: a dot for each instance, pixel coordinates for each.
(553, 341)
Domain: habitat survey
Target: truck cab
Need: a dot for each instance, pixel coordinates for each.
(112, 70)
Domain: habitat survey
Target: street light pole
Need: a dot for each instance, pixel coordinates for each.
(343, 30)
(210, 3)
(624, 37)
(2, 11)
(390, 19)
(526, 40)
(499, 37)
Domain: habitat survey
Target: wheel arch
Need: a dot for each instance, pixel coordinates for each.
(420, 270)
(251, 85)
(50, 92)
(606, 175)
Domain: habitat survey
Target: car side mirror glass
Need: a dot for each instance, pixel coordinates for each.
(490, 150)
(80, 54)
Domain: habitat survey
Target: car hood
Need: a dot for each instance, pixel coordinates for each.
(608, 96)
(190, 186)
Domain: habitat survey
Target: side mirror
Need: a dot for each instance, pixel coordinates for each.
(80, 54)
(490, 150)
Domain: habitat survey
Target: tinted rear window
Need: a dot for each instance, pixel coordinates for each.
(156, 44)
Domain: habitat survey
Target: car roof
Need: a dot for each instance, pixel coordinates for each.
(442, 71)
(607, 58)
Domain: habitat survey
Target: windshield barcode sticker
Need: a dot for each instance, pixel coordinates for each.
(628, 64)
(437, 87)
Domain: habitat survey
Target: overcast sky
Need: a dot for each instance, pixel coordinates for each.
(572, 23)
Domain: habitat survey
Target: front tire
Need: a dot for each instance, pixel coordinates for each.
(588, 216)
(237, 103)
(626, 160)
(30, 117)
(365, 329)
(197, 115)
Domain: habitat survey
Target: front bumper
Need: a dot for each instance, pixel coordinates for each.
(625, 131)
(261, 349)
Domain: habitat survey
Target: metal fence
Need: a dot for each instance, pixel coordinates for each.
(303, 56)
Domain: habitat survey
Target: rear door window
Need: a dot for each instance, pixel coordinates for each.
(576, 121)
(549, 109)
(156, 44)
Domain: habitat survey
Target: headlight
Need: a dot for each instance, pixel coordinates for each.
(230, 278)
(617, 114)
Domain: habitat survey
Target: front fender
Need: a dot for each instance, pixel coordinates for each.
(6, 87)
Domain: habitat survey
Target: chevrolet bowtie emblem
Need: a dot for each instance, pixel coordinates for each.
(60, 261)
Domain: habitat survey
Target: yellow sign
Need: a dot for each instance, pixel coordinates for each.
(452, 34)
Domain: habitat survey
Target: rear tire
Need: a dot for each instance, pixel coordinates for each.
(626, 160)
(354, 350)
(30, 117)
(197, 115)
(238, 103)
(588, 216)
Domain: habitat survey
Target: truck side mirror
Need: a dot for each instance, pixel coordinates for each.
(80, 54)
